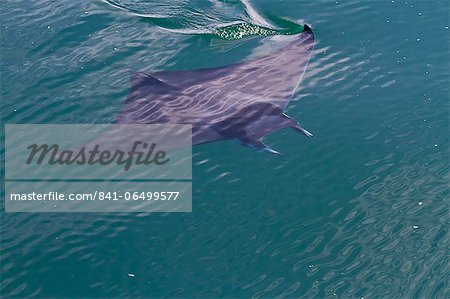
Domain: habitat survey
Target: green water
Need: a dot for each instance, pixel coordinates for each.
(359, 211)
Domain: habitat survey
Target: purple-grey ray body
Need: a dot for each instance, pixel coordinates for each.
(243, 101)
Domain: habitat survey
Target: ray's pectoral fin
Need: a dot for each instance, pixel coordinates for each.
(254, 135)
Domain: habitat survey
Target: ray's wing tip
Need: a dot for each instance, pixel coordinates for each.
(306, 28)
(308, 31)
(307, 38)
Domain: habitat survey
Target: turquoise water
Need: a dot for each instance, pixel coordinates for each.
(360, 210)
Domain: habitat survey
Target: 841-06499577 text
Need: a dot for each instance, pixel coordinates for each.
(97, 195)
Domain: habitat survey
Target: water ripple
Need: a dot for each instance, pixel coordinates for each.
(359, 211)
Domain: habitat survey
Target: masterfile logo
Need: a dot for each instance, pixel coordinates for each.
(98, 168)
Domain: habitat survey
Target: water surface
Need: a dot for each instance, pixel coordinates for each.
(361, 210)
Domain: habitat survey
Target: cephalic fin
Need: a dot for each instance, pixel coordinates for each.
(302, 130)
(296, 126)
(259, 144)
